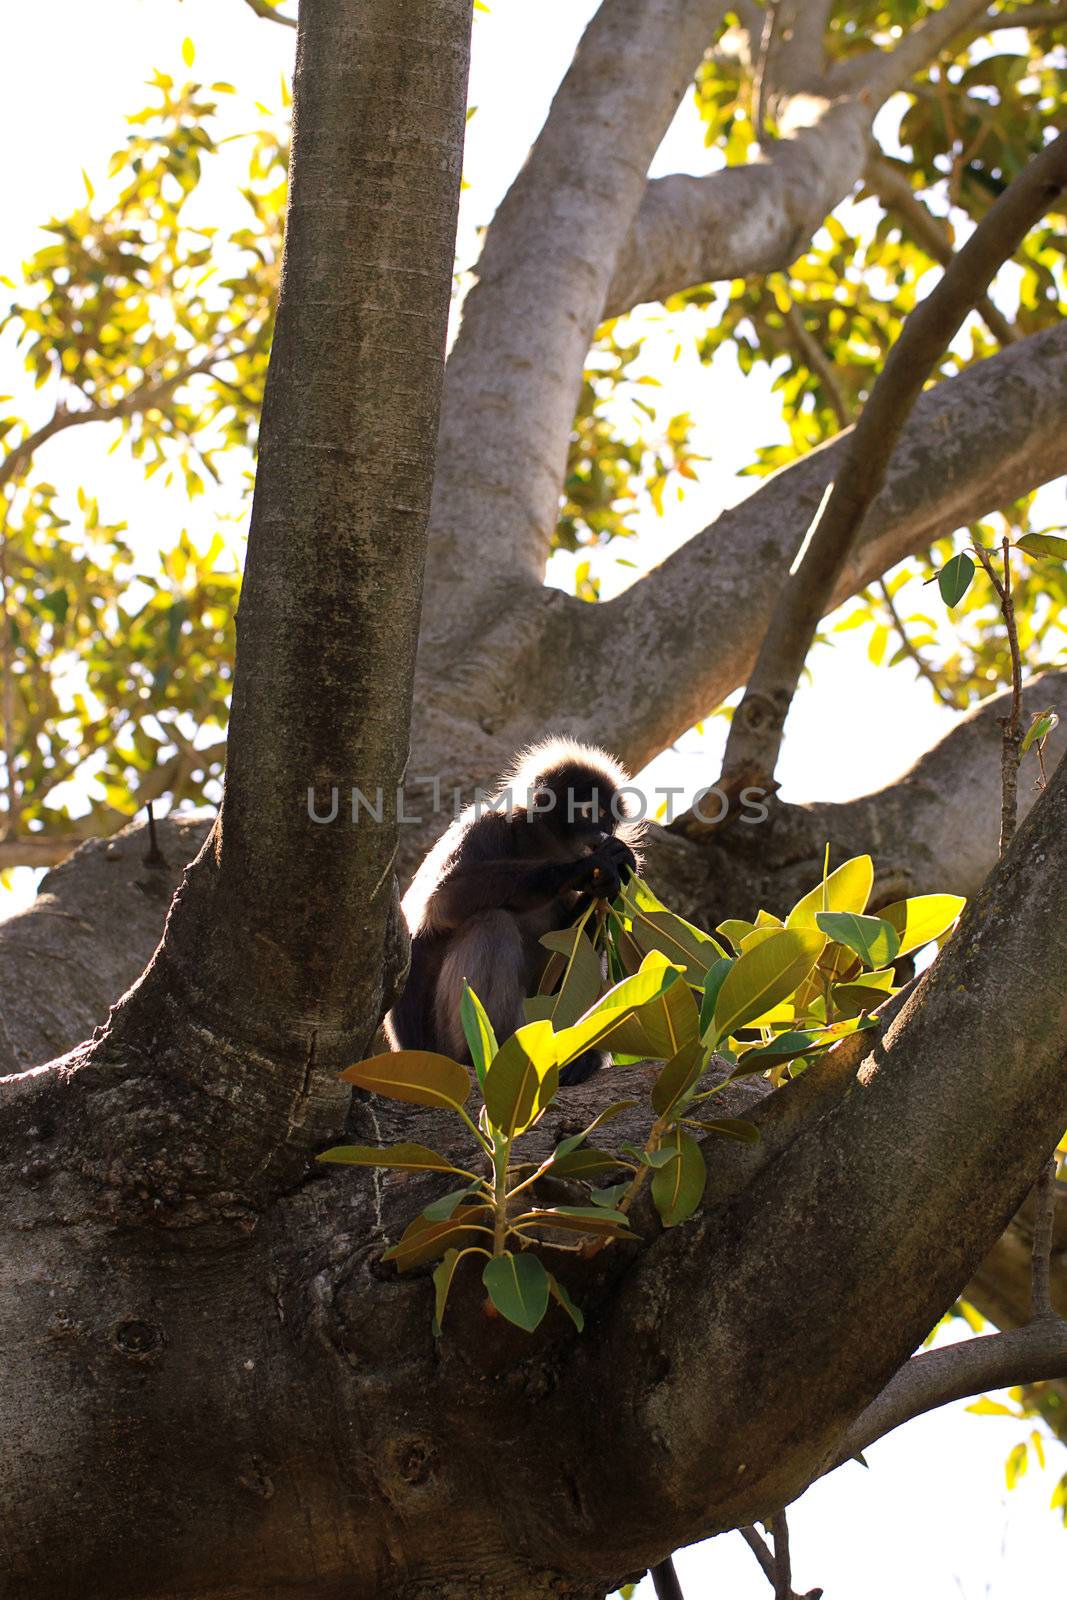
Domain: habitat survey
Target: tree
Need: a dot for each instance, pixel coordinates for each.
(205, 1356)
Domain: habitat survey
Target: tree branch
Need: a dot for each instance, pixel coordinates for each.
(327, 628)
(934, 1378)
(890, 184)
(943, 1118)
(757, 726)
(153, 392)
(514, 374)
(743, 221)
(885, 71)
(972, 443)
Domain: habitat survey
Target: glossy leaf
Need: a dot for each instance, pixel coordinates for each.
(420, 1077)
(423, 1241)
(678, 1076)
(678, 1188)
(873, 939)
(518, 1287)
(846, 889)
(924, 917)
(560, 1295)
(478, 1032)
(1043, 544)
(521, 1079)
(398, 1157)
(955, 577)
(762, 977)
(656, 975)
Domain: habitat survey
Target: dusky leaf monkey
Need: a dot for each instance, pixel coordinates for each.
(554, 835)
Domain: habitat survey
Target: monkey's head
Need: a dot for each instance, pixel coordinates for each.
(573, 793)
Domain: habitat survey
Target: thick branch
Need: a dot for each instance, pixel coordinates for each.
(757, 727)
(946, 1119)
(743, 221)
(328, 620)
(514, 374)
(755, 219)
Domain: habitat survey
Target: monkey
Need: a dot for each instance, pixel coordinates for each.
(553, 836)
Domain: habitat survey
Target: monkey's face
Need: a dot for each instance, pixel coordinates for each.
(580, 809)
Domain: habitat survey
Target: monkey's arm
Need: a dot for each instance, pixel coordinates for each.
(504, 886)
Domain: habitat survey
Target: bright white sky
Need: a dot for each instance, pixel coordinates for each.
(932, 1517)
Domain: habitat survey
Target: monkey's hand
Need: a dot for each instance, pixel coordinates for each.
(602, 874)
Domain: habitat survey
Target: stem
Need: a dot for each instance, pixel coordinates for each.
(500, 1196)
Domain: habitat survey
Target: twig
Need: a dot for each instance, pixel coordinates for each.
(783, 1572)
(925, 670)
(1012, 738)
(665, 1580)
(756, 730)
(815, 357)
(268, 13)
(143, 398)
(1041, 1255)
(760, 77)
(759, 1549)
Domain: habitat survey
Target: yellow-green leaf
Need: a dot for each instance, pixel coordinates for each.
(922, 918)
(398, 1157)
(421, 1077)
(846, 889)
(763, 977)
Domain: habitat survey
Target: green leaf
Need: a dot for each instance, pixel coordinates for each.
(655, 976)
(1043, 544)
(734, 930)
(1038, 730)
(763, 977)
(783, 1048)
(559, 1294)
(582, 978)
(442, 1283)
(656, 928)
(444, 1207)
(478, 1032)
(712, 984)
(670, 1021)
(730, 1128)
(423, 1240)
(954, 578)
(677, 1189)
(398, 1157)
(588, 1162)
(570, 1219)
(518, 1287)
(677, 1077)
(873, 939)
(846, 889)
(924, 917)
(421, 1077)
(522, 1078)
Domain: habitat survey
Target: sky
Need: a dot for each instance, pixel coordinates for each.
(931, 1517)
